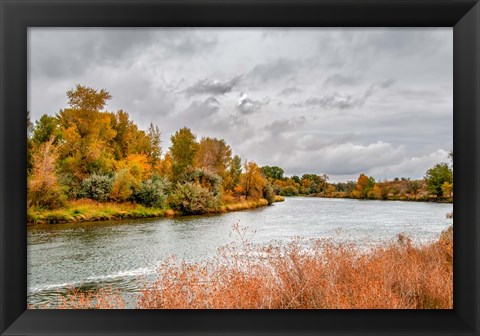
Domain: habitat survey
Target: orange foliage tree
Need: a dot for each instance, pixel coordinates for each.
(252, 181)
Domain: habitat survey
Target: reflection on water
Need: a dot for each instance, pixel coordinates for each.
(118, 253)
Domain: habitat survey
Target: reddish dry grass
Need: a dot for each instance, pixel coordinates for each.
(398, 275)
(101, 299)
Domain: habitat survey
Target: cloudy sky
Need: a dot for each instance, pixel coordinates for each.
(335, 101)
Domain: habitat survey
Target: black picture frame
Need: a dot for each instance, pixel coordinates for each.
(18, 15)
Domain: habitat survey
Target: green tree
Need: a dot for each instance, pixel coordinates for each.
(437, 176)
(183, 150)
(296, 179)
(44, 128)
(274, 172)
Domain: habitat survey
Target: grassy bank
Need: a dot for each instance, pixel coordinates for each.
(246, 204)
(86, 210)
(329, 276)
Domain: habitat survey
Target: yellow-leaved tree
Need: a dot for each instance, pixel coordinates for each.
(43, 189)
(252, 181)
(86, 133)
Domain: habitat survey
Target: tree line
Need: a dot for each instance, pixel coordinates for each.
(437, 185)
(85, 151)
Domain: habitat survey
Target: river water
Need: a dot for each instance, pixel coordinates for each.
(118, 253)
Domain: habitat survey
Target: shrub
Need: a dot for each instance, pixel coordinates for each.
(207, 179)
(45, 195)
(123, 186)
(192, 198)
(289, 191)
(96, 187)
(268, 193)
(151, 193)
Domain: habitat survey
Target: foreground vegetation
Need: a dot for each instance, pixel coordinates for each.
(314, 274)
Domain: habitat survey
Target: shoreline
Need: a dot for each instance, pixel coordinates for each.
(428, 200)
(86, 210)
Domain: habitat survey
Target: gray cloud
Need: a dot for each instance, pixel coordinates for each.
(247, 105)
(334, 101)
(70, 52)
(214, 87)
(342, 102)
(283, 125)
(203, 109)
(289, 90)
(296, 81)
(338, 79)
(274, 70)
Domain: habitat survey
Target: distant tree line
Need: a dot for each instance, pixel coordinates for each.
(437, 185)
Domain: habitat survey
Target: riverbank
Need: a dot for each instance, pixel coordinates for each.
(86, 210)
(320, 275)
(428, 199)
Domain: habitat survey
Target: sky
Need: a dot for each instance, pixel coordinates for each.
(329, 101)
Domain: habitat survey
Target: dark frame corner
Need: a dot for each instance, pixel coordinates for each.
(17, 16)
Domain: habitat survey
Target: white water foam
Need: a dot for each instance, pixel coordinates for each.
(93, 279)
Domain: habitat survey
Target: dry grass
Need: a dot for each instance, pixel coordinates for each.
(101, 299)
(244, 205)
(315, 274)
(105, 298)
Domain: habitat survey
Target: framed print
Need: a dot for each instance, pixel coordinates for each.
(295, 157)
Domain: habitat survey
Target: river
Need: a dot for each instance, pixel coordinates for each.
(118, 253)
